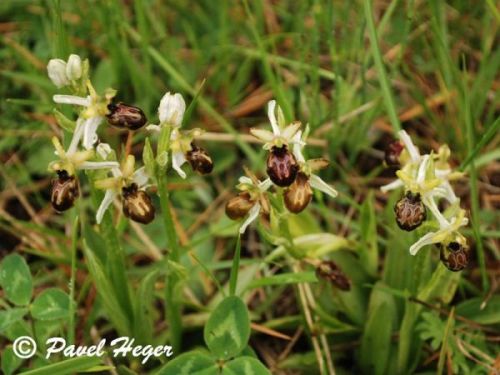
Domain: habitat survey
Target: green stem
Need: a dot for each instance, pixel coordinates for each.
(172, 299)
(233, 281)
(72, 305)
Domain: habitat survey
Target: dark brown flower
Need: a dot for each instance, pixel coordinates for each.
(329, 271)
(392, 153)
(126, 116)
(199, 159)
(454, 256)
(238, 207)
(65, 191)
(410, 211)
(282, 167)
(299, 194)
(137, 204)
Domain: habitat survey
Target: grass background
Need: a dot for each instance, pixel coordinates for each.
(355, 71)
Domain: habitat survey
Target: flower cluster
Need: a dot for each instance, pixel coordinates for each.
(118, 180)
(426, 181)
(286, 168)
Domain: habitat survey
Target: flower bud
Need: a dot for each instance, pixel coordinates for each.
(454, 256)
(74, 67)
(126, 116)
(329, 271)
(282, 167)
(238, 207)
(299, 194)
(171, 109)
(199, 159)
(56, 69)
(65, 191)
(137, 204)
(410, 212)
(392, 153)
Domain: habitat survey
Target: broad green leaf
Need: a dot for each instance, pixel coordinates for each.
(190, 363)
(228, 328)
(376, 339)
(15, 279)
(106, 292)
(368, 250)
(69, 366)
(10, 361)
(471, 309)
(11, 316)
(51, 304)
(143, 308)
(245, 366)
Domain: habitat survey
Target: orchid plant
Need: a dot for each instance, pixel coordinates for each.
(426, 181)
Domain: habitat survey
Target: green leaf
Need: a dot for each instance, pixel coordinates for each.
(11, 316)
(228, 328)
(245, 366)
(143, 308)
(149, 158)
(70, 366)
(15, 279)
(472, 310)
(106, 292)
(191, 363)
(10, 361)
(368, 251)
(376, 339)
(64, 122)
(51, 304)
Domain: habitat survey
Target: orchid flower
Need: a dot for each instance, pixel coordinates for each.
(123, 176)
(95, 108)
(308, 167)
(249, 202)
(281, 135)
(72, 159)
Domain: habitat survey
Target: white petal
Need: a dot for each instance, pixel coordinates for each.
(171, 109)
(77, 135)
(272, 117)
(425, 240)
(431, 205)
(178, 159)
(103, 150)
(265, 185)
(99, 165)
(263, 135)
(317, 183)
(56, 69)
(109, 197)
(72, 99)
(140, 177)
(410, 147)
(393, 185)
(74, 67)
(245, 180)
(90, 131)
(297, 147)
(153, 128)
(252, 215)
(422, 169)
(290, 131)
